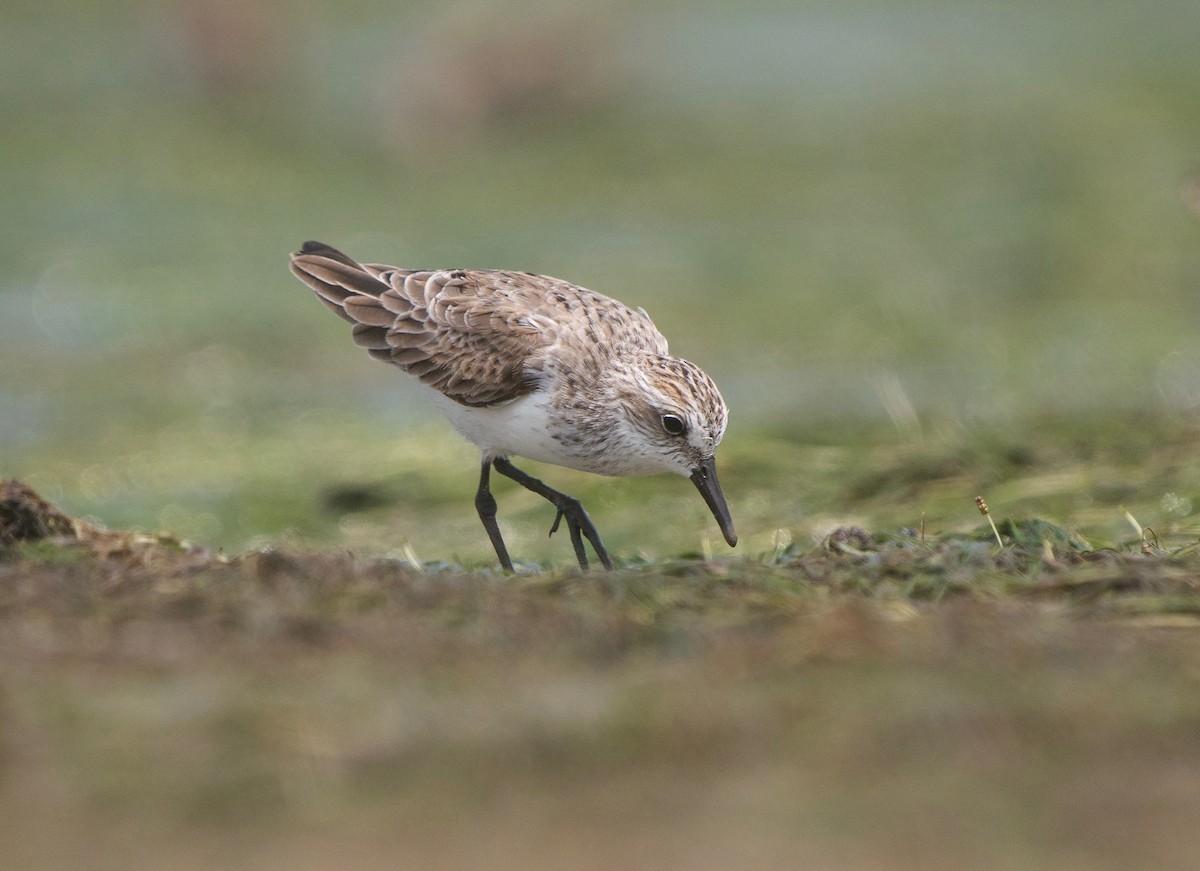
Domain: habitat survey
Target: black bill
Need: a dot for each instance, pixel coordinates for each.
(705, 479)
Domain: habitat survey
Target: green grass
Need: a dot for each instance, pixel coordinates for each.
(328, 482)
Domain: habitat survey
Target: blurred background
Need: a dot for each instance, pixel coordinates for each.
(912, 219)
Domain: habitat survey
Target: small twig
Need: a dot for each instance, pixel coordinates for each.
(1048, 556)
(410, 556)
(1137, 527)
(1147, 548)
(983, 509)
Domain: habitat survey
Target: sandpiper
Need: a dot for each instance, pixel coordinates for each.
(532, 366)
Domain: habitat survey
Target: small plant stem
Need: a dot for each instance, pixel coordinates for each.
(983, 509)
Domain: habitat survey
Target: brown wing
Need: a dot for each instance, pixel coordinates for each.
(463, 333)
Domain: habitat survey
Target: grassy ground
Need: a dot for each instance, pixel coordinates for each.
(929, 251)
(330, 482)
(860, 701)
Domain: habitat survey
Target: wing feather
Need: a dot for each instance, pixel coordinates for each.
(482, 337)
(368, 310)
(367, 336)
(444, 327)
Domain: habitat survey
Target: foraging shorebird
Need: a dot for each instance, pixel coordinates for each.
(531, 366)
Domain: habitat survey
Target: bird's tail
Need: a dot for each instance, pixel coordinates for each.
(349, 289)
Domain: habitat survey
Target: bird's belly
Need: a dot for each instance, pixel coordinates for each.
(520, 427)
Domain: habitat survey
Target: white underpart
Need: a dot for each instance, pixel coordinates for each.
(518, 428)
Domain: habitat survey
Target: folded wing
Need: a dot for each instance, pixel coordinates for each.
(465, 333)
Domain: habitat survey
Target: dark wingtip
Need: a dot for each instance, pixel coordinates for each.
(320, 249)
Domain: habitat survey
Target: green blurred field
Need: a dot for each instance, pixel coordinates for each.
(956, 215)
(928, 250)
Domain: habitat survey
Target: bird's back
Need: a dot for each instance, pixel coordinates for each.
(481, 337)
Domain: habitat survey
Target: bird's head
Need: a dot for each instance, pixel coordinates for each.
(679, 418)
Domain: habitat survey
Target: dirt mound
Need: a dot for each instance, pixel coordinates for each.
(26, 516)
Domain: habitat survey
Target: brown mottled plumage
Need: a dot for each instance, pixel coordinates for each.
(533, 366)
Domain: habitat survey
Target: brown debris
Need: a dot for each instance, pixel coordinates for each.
(849, 539)
(26, 516)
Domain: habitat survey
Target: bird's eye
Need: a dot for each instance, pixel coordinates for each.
(673, 424)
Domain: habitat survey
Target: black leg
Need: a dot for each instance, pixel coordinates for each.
(579, 525)
(485, 504)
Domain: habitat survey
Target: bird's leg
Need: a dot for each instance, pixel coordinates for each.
(485, 504)
(578, 522)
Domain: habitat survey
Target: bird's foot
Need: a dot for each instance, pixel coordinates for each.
(580, 526)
